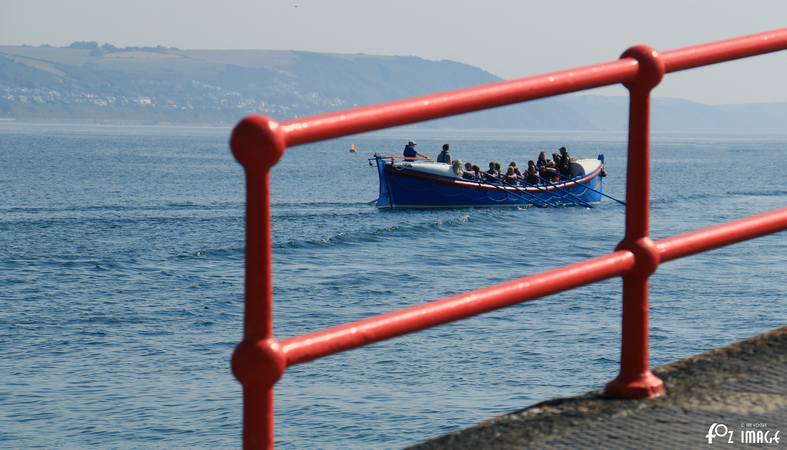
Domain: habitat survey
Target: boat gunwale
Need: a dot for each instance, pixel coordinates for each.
(489, 186)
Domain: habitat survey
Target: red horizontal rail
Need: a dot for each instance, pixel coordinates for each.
(722, 235)
(728, 50)
(316, 345)
(370, 118)
(386, 115)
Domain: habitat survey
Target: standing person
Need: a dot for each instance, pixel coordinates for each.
(444, 156)
(565, 163)
(410, 153)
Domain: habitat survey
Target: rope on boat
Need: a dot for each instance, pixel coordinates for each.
(549, 193)
(542, 203)
(522, 191)
(598, 192)
(565, 193)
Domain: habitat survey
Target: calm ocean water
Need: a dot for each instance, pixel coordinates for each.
(121, 256)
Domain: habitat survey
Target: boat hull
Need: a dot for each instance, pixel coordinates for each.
(403, 187)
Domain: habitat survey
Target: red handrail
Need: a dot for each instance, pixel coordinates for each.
(316, 345)
(258, 142)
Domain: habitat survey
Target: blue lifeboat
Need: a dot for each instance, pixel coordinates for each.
(429, 184)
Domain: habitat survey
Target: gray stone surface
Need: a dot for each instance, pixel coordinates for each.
(744, 383)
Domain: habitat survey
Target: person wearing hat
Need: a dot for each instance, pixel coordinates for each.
(410, 153)
(444, 156)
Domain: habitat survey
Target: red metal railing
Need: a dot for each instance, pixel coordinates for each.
(258, 142)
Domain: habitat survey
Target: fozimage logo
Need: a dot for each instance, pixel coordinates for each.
(749, 433)
(718, 430)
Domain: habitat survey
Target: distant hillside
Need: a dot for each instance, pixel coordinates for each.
(165, 84)
(88, 82)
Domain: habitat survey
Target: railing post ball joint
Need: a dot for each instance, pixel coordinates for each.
(258, 142)
(258, 361)
(635, 379)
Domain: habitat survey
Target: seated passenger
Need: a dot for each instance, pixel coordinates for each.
(531, 177)
(492, 173)
(542, 170)
(456, 167)
(444, 157)
(468, 173)
(542, 160)
(517, 172)
(477, 172)
(511, 176)
(550, 172)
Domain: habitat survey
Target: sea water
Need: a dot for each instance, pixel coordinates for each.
(121, 274)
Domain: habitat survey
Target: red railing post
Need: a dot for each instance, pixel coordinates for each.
(258, 362)
(635, 379)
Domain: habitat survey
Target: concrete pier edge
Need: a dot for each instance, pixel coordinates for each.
(741, 385)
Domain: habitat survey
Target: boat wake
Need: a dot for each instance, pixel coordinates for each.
(775, 193)
(122, 208)
(375, 234)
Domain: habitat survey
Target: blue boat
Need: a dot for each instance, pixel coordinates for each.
(429, 184)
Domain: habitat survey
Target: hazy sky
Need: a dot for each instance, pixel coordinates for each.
(509, 38)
